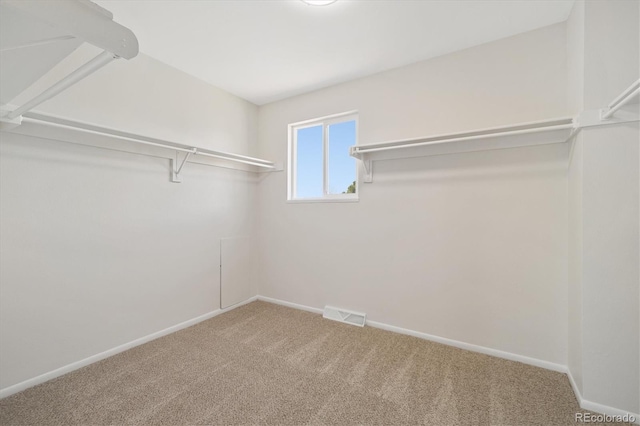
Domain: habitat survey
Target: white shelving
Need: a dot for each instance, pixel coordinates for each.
(177, 164)
(559, 130)
(518, 135)
(38, 35)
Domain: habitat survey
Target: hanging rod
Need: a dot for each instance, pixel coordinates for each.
(55, 121)
(459, 137)
(622, 99)
(518, 129)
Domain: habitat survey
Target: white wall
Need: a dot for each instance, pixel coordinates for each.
(612, 49)
(97, 247)
(611, 356)
(471, 247)
(611, 212)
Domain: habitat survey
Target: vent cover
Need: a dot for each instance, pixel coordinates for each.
(343, 315)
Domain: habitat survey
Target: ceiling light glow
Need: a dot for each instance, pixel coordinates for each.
(319, 2)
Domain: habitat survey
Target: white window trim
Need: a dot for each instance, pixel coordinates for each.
(325, 122)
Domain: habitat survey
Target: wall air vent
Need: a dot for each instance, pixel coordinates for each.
(343, 315)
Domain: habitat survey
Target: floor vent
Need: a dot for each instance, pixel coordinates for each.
(343, 315)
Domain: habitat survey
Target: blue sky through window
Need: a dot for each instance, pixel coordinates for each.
(309, 162)
(342, 167)
(309, 159)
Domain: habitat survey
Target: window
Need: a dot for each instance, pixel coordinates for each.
(320, 167)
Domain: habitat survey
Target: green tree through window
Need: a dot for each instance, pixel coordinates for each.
(351, 189)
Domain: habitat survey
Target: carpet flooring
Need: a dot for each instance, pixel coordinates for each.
(267, 364)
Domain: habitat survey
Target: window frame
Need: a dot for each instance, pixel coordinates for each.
(325, 122)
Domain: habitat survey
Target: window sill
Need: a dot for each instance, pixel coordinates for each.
(324, 200)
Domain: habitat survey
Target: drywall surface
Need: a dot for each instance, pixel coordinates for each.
(604, 213)
(470, 247)
(611, 355)
(611, 197)
(612, 49)
(98, 247)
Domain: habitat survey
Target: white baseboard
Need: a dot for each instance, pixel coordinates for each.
(290, 305)
(598, 408)
(587, 405)
(456, 343)
(574, 386)
(473, 348)
(10, 390)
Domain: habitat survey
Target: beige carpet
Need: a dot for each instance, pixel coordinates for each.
(267, 364)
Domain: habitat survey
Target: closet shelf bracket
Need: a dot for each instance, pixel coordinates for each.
(613, 113)
(628, 96)
(367, 164)
(368, 170)
(5, 121)
(593, 118)
(175, 171)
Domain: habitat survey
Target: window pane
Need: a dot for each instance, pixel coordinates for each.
(342, 167)
(309, 162)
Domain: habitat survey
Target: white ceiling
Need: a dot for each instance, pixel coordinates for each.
(266, 50)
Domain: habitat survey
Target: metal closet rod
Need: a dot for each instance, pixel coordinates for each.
(409, 143)
(51, 120)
